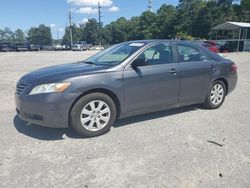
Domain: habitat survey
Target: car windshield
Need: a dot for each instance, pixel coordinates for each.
(115, 54)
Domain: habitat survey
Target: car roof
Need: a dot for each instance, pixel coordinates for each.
(149, 41)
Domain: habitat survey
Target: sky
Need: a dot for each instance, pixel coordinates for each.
(24, 14)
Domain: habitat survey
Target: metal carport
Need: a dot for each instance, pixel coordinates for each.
(241, 27)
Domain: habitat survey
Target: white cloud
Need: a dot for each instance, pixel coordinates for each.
(61, 29)
(83, 21)
(105, 3)
(113, 9)
(86, 10)
(52, 25)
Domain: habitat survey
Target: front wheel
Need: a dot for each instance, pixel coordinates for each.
(216, 95)
(93, 115)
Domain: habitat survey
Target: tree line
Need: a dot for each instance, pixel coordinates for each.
(190, 19)
(37, 35)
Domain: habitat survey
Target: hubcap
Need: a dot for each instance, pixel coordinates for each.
(217, 94)
(95, 115)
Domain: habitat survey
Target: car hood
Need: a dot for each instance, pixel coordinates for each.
(62, 72)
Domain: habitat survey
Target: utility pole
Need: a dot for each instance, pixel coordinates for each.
(70, 31)
(150, 6)
(99, 19)
(57, 34)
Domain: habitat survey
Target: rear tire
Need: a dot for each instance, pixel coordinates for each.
(93, 115)
(216, 95)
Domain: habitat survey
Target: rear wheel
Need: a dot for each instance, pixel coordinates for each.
(93, 115)
(216, 95)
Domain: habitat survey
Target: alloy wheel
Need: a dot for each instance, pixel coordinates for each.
(95, 115)
(217, 94)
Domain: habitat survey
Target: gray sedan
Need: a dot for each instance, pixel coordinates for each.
(124, 80)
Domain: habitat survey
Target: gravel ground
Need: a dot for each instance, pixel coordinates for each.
(164, 149)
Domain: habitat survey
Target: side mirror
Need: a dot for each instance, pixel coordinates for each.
(138, 63)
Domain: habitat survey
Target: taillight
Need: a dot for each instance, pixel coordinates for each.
(234, 68)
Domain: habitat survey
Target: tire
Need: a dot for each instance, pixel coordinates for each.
(216, 91)
(93, 115)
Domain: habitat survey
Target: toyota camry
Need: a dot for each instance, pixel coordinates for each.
(127, 79)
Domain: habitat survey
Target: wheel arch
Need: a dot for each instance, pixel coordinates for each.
(107, 92)
(224, 81)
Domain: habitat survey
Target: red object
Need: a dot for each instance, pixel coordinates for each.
(234, 68)
(213, 49)
(212, 43)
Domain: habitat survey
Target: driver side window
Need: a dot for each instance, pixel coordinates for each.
(155, 55)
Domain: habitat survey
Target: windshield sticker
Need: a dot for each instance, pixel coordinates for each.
(136, 44)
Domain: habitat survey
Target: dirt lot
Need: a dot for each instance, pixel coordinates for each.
(164, 149)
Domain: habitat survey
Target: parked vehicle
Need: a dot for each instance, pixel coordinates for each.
(47, 48)
(211, 46)
(58, 47)
(66, 47)
(124, 80)
(21, 47)
(7, 47)
(81, 46)
(231, 46)
(96, 48)
(35, 47)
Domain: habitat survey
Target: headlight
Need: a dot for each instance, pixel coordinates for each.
(49, 88)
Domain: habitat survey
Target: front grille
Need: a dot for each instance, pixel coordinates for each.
(21, 87)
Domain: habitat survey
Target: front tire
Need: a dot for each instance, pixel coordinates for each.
(216, 95)
(93, 115)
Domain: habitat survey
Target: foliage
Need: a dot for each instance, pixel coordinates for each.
(19, 36)
(37, 35)
(184, 36)
(190, 19)
(40, 35)
(6, 35)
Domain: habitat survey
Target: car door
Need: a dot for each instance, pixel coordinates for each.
(196, 69)
(153, 81)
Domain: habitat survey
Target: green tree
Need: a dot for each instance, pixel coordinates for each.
(118, 30)
(1, 35)
(77, 34)
(8, 35)
(91, 31)
(187, 12)
(148, 25)
(40, 35)
(19, 35)
(243, 10)
(245, 4)
(190, 19)
(166, 18)
(207, 17)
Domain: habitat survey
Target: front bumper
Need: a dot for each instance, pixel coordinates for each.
(49, 110)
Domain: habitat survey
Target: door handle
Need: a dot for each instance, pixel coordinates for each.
(173, 71)
(212, 67)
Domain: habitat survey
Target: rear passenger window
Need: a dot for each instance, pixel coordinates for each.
(190, 54)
